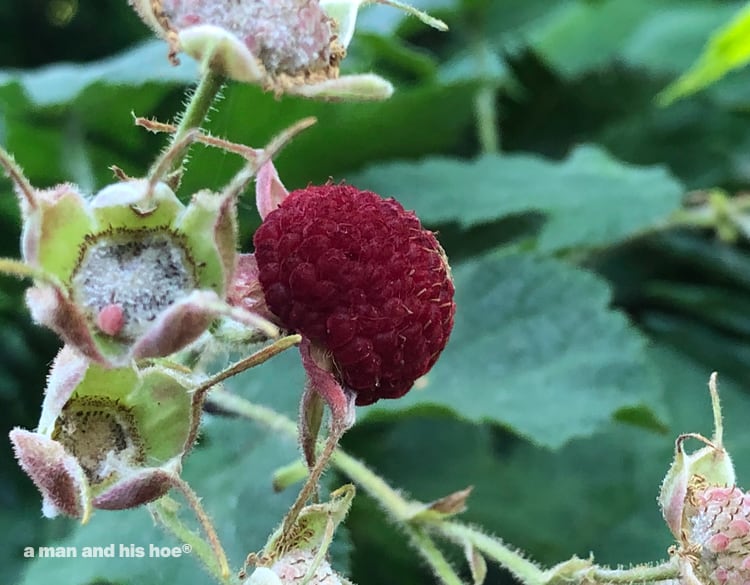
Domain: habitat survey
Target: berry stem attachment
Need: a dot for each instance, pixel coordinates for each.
(321, 386)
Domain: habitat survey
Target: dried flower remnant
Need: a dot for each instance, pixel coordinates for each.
(107, 438)
(286, 46)
(130, 273)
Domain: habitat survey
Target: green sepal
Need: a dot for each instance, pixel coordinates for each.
(214, 256)
(158, 398)
(60, 227)
(310, 529)
(129, 206)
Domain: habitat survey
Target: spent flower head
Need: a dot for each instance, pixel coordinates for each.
(711, 464)
(286, 46)
(108, 438)
(132, 272)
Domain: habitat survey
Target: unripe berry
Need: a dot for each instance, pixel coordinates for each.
(719, 535)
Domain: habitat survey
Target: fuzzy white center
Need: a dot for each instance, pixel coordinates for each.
(287, 36)
(142, 274)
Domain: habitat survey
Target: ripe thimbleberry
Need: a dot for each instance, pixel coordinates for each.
(361, 278)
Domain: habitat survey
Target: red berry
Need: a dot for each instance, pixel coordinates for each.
(359, 276)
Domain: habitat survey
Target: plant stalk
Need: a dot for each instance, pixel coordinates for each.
(401, 510)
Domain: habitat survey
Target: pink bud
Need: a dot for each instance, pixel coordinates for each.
(111, 319)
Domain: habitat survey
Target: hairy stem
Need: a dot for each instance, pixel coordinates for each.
(311, 485)
(487, 123)
(250, 361)
(196, 110)
(286, 476)
(18, 269)
(199, 104)
(164, 511)
(485, 110)
(208, 528)
(402, 510)
(396, 505)
(432, 554)
(523, 569)
(231, 403)
(638, 574)
(23, 187)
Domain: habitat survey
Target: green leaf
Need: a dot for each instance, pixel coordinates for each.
(656, 36)
(590, 198)
(724, 308)
(550, 504)
(536, 349)
(389, 52)
(23, 529)
(594, 496)
(61, 83)
(376, 538)
(570, 35)
(667, 41)
(728, 49)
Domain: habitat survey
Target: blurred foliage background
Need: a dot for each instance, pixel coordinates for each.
(600, 254)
